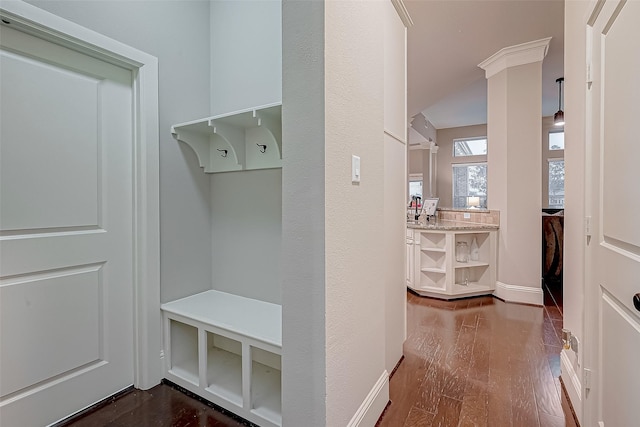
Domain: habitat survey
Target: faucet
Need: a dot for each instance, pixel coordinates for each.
(417, 199)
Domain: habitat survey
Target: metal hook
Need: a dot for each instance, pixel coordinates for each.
(263, 147)
(224, 152)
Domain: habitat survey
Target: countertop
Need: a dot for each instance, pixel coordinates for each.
(446, 225)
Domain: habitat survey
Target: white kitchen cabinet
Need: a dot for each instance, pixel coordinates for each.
(242, 140)
(436, 273)
(227, 349)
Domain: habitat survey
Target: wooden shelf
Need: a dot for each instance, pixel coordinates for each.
(442, 250)
(243, 140)
(470, 264)
(433, 270)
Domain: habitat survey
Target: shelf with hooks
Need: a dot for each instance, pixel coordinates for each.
(242, 140)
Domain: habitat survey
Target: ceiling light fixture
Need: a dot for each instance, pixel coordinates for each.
(558, 117)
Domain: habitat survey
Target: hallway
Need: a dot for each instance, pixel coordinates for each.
(470, 362)
(479, 362)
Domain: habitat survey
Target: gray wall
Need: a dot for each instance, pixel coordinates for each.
(177, 33)
(246, 54)
(303, 228)
(246, 211)
(246, 207)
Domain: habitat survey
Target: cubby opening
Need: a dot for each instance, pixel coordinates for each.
(224, 367)
(433, 260)
(266, 381)
(432, 241)
(184, 351)
(429, 279)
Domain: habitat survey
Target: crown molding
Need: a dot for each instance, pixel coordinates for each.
(512, 56)
(403, 13)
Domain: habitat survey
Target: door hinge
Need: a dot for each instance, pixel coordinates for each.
(587, 225)
(587, 378)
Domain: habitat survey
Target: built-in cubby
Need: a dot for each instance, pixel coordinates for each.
(227, 349)
(437, 272)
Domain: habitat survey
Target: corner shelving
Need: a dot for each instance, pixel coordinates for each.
(438, 274)
(227, 349)
(242, 140)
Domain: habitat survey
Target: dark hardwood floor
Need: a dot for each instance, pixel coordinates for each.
(479, 362)
(471, 362)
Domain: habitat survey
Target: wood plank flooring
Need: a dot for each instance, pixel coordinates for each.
(472, 362)
(479, 362)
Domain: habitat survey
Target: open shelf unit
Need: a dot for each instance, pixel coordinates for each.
(242, 140)
(432, 269)
(227, 349)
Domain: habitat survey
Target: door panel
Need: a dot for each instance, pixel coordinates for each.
(43, 184)
(66, 221)
(615, 106)
(620, 350)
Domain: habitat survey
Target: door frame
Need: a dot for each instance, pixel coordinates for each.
(145, 168)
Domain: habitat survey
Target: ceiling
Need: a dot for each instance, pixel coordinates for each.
(449, 38)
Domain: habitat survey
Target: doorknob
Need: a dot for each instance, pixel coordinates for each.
(636, 301)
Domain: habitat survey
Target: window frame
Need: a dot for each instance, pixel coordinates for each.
(475, 138)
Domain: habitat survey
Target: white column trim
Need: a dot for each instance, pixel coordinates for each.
(403, 13)
(511, 56)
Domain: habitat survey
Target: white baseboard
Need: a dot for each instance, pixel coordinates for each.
(373, 405)
(519, 294)
(571, 379)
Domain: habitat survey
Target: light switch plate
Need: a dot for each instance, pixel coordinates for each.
(355, 169)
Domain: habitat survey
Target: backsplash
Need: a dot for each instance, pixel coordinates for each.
(482, 217)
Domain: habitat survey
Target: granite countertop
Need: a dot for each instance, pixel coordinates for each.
(451, 225)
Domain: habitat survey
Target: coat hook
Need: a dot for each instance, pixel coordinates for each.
(224, 152)
(263, 147)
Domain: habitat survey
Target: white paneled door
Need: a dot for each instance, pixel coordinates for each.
(613, 108)
(66, 223)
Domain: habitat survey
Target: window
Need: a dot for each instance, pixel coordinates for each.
(556, 140)
(556, 183)
(415, 185)
(469, 180)
(469, 147)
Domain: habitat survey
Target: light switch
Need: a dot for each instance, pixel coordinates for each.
(355, 169)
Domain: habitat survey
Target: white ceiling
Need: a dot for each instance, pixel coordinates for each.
(450, 38)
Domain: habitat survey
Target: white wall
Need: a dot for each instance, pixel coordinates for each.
(185, 249)
(395, 149)
(246, 210)
(446, 160)
(246, 54)
(575, 202)
(354, 259)
(333, 108)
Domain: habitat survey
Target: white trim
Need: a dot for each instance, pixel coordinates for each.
(146, 221)
(374, 404)
(572, 384)
(519, 294)
(512, 56)
(397, 138)
(403, 13)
